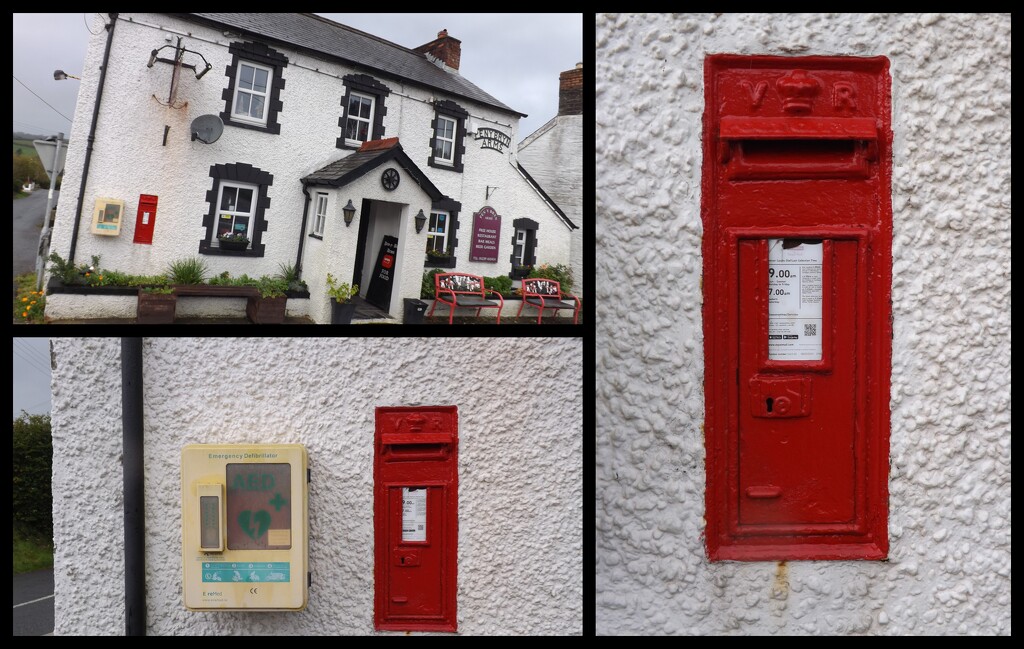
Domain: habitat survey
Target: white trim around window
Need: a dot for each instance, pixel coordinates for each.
(236, 209)
(444, 140)
(359, 120)
(252, 93)
(319, 214)
(519, 249)
(437, 231)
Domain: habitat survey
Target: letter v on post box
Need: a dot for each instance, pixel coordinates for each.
(797, 268)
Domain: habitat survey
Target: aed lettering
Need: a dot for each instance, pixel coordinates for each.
(254, 482)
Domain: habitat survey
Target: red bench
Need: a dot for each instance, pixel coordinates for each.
(547, 294)
(463, 290)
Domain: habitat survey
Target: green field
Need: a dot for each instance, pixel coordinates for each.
(27, 149)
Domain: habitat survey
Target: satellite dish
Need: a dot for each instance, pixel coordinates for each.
(207, 128)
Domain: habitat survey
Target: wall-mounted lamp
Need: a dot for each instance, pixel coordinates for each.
(60, 75)
(350, 212)
(420, 220)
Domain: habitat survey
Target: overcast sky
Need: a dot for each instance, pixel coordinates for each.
(516, 58)
(31, 376)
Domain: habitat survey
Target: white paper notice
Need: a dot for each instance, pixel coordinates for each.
(414, 514)
(794, 300)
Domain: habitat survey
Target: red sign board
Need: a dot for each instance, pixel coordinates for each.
(797, 248)
(486, 233)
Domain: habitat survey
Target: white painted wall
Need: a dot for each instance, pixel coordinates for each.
(129, 159)
(553, 156)
(520, 561)
(949, 524)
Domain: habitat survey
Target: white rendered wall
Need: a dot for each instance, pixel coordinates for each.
(553, 156)
(520, 553)
(129, 159)
(949, 524)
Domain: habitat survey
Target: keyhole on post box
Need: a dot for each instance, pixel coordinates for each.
(768, 403)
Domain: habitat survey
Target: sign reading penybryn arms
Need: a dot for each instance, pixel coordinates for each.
(493, 139)
(486, 230)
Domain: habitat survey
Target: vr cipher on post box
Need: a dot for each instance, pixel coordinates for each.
(244, 527)
(415, 518)
(797, 248)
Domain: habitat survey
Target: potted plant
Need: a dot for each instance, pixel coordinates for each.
(233, 241)
(156, 305)
(341, 295)
(521, 271)
(269, 307)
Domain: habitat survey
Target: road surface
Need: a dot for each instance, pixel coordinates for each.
(28, 221)
(33, 602)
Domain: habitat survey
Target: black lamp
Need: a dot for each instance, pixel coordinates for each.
(350, 212)
(420, 220)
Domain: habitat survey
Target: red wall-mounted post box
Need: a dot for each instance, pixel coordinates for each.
(145, 220)
(415, 518)
(797, 248)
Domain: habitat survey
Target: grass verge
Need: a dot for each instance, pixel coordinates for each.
(31, 551)
(28, 303)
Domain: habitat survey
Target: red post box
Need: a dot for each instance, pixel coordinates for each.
(797, 217)
(145, 220)
(415, 514)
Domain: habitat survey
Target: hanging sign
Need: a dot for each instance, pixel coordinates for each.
(486, 233)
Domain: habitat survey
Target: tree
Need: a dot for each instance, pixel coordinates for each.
(32, 467)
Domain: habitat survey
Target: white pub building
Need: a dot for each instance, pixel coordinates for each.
(317, 145)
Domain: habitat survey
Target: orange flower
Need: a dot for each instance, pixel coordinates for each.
(24, 315)
(32, 302)
(24, 299)
(101, 276)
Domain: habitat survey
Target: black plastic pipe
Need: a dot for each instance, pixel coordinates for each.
(302, 232)
(92, 137)
(134, 488)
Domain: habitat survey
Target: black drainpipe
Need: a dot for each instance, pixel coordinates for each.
(134, 488)
(302, 232)
(92, 136)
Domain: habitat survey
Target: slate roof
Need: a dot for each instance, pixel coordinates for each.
(337, 41)
(371, 155)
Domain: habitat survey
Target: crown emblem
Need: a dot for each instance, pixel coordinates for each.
(797, 90)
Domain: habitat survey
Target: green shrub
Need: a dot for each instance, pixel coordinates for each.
(561, 273)
(271, 286)
(501, 284)
(187, 271)
(290, 274)
(32, 466)
(427, 288)
(64, 270)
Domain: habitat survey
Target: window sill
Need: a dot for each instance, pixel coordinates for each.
(433, 262)
(251, 126)
(443, 165)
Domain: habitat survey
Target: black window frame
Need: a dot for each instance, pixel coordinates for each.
(366, 85)
(451, 110)
(239, 172)
(260, 54)
(452, 208)
(530, 254)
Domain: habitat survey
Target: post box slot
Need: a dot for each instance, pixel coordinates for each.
(409, 452)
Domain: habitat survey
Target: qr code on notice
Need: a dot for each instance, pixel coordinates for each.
(811, 329)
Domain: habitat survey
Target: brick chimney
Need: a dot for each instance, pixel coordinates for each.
(570, 91)
(446, 48)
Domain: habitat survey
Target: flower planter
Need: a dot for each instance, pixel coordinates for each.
(341, 313)
(156, 308)
(233, 245)
(266, 310)
(520, 272)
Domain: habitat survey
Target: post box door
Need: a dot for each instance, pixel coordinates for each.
(416, 571)
(145, 220)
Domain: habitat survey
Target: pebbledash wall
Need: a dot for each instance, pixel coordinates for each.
(948, 570)
(130, 158)
(520, 554)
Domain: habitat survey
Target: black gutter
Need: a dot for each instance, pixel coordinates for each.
(302, 232)
(134, 488)
(92, 137)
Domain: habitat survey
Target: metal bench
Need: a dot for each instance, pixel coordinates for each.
(547, 294)
(464, 290)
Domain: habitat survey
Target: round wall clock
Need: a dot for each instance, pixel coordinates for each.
(389, 179)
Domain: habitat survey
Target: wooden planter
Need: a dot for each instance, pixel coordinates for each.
(266, 310)
(341, 313)
(156, 308)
